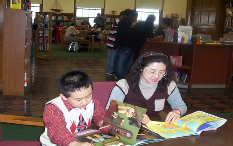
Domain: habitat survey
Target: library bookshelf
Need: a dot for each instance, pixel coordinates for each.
(16, 52)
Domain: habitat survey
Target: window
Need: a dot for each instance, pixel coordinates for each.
(89, 13)
(143, 13)
(34, 8)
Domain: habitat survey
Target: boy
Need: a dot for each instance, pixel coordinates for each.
(72, 111)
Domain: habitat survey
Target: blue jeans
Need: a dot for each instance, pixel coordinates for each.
(110, 61)
(123, 61)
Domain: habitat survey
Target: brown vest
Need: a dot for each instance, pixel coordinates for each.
(136, 98)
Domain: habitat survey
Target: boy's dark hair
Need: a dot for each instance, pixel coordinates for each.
(72, 24)
(150, 17)
(144, 60)
(74, 81)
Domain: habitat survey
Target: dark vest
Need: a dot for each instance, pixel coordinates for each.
(136, 98)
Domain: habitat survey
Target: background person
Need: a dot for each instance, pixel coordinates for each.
(71, 29)
(75, 106)
(111, 48)
(123, 55)
(149, 85)
(159, 32)
(137, 35)
(100, 21)
(86, 24)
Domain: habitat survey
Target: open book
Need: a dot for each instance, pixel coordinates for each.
(192, 124)
(120, 126)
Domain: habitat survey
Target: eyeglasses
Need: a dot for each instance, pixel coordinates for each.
(160, 73)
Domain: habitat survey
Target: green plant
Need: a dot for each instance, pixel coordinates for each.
(68, 24)
(108, 27)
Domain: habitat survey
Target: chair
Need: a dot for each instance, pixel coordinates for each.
(102, 90)
(63, 41)
(100, 43)
(84, 39)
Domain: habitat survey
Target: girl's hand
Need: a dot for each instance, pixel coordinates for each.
(172, 116)
(146, 119)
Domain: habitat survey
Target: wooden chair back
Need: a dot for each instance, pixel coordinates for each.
(84, 39)
(100, 43)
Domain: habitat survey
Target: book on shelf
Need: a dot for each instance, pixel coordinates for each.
(15, 4)
(184, 34)
(176, 60)
(183, 77)
(191, 124)
(177, 75)
(121, 125)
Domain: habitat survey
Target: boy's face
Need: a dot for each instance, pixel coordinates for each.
(80, 99)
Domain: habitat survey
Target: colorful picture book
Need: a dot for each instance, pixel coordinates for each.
(97, 138)
(123, 120)
(176, 60)
(121, 125)
(183, 77)
(192, 124)
(184, 34)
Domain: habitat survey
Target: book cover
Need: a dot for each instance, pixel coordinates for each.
(192, 124)
(183, 77)
(123, 120)
(120, 127)
(15, 4)
(177, 75)
(185, 34)
(176, 60)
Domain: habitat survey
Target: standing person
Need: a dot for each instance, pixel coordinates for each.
(159, 32)
(71, 29)
(72, 111)
(100, 21)
(111, 48)
(124, 55)
(138, 34)
(149, 85)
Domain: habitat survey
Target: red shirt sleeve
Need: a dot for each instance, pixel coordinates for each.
(99, 113)
(55, 123)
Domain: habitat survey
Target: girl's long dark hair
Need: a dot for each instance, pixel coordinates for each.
(143, 61)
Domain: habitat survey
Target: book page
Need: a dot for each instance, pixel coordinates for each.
(199, 121)
(191, 124)
(168, 130)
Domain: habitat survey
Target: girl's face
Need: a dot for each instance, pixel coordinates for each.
(154, 72)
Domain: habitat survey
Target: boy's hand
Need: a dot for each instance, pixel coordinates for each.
(75, 143)
(146, 119)
(172, 116)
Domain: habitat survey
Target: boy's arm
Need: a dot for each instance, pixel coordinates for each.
(55, 123)
(99, 113)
